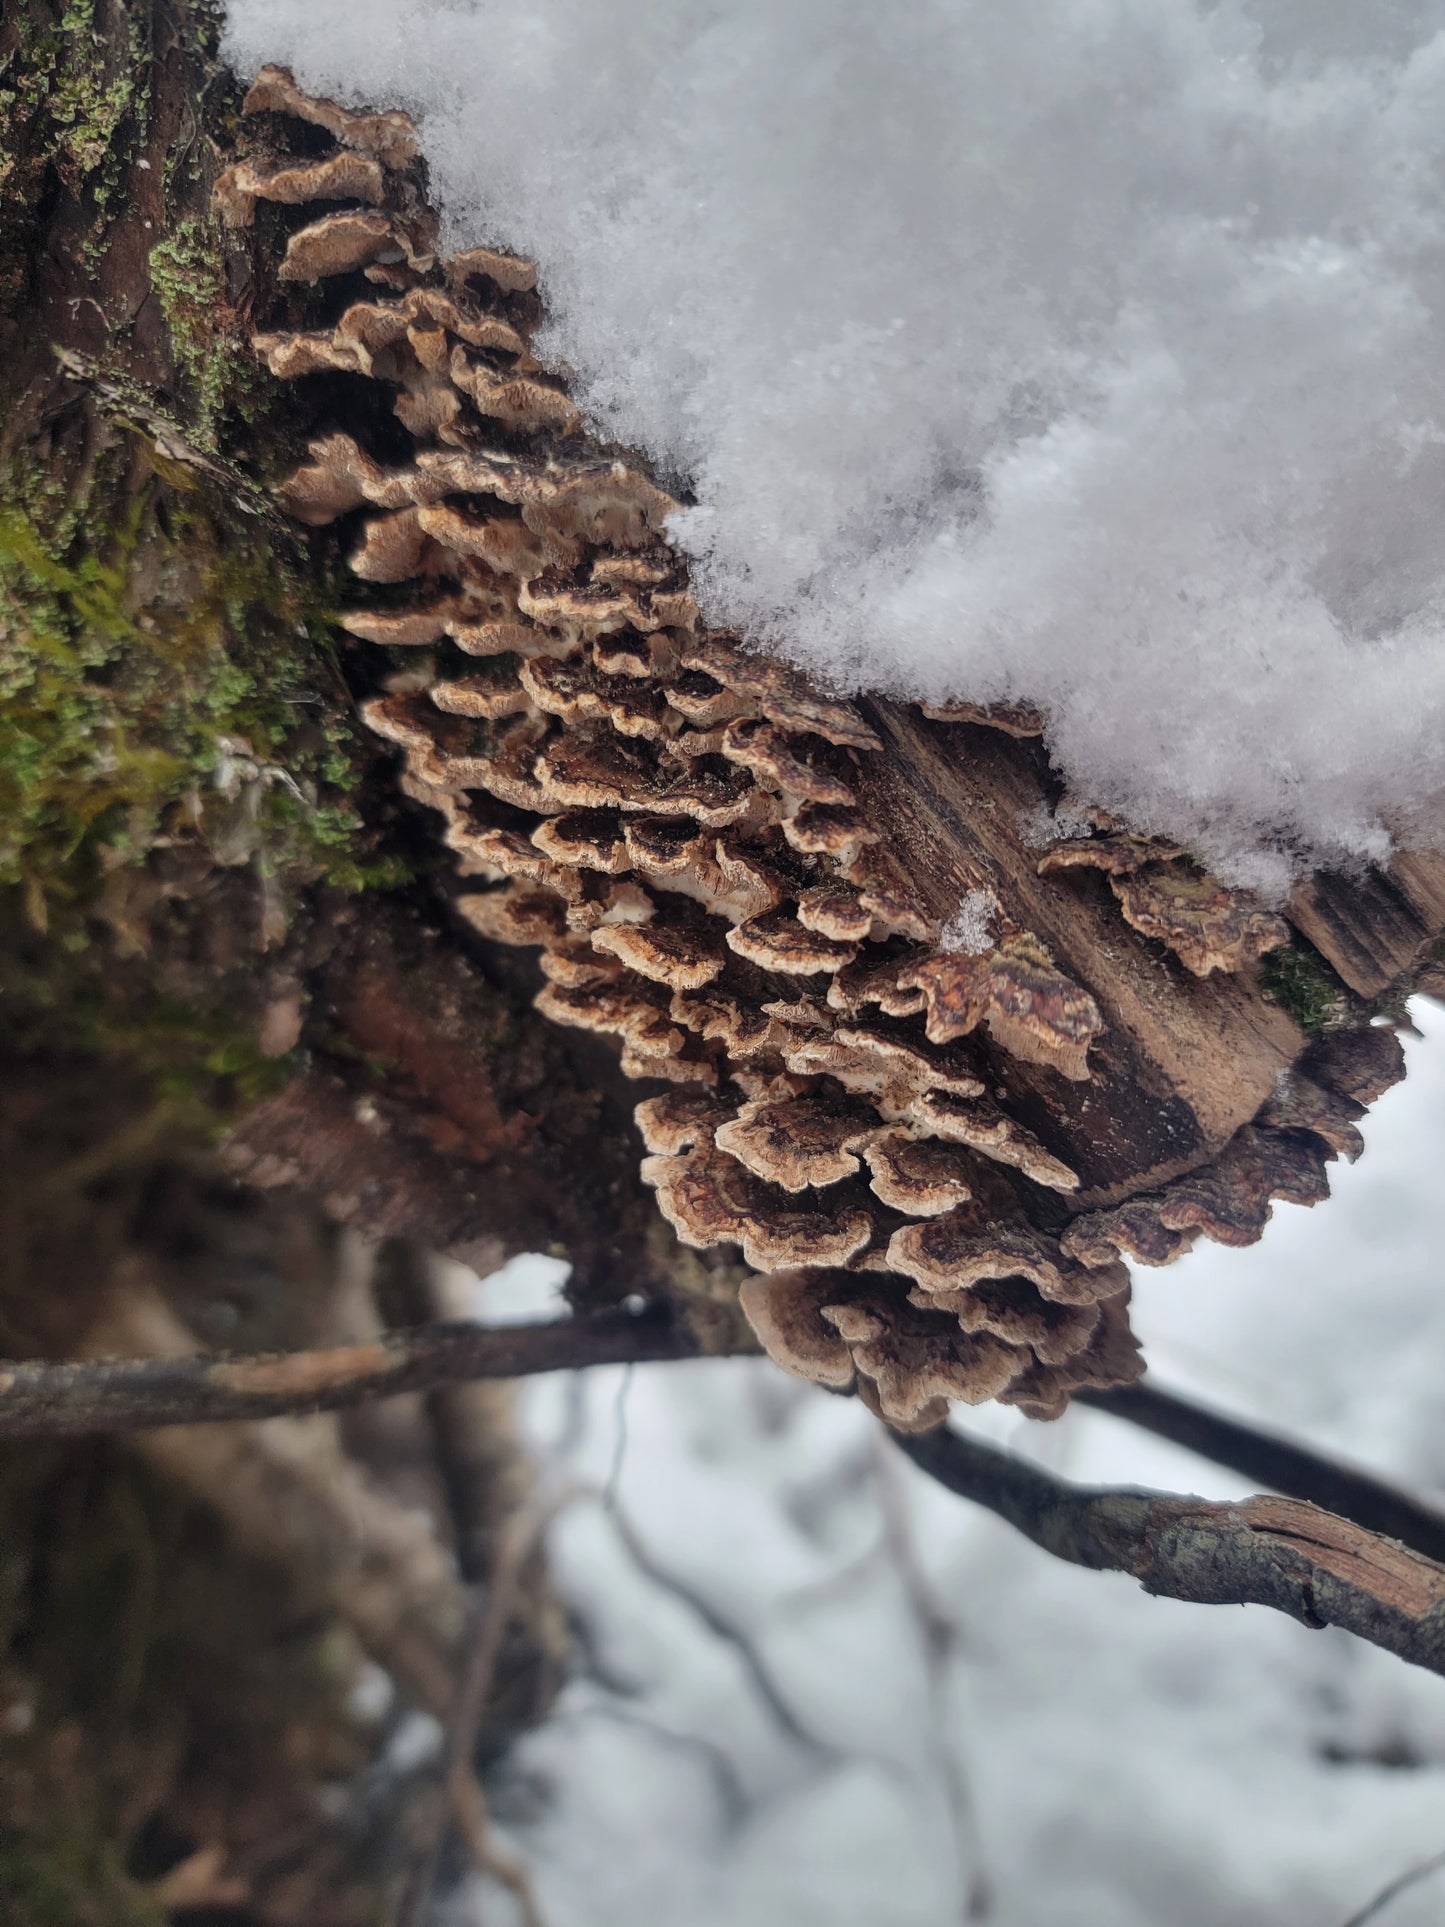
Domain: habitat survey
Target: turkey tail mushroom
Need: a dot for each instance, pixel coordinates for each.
(933, 1156)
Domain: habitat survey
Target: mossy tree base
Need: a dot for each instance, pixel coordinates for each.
(189, 819)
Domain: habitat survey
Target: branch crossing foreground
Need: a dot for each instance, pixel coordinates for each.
(1323, 1567)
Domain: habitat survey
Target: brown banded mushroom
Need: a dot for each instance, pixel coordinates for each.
(579, 693)
(709, 1198)
(779, 942)
(514, 915)
(868, 981)
(678, 1120)
(340, 476)
(1015, 719)
(1207, 925)
(647, 658)
(979, 1124)
(339, 177)
(827, 829)
(835, 910)
(1034, 1010)
(341, 243)
(778, 693)
(718, 1016)
(517, 402)
(919, 1176)
(394, 548)
(889, 898)
(1299, 1104)
(1110, 1358)
(985, 1239)
(799, 1142)
(784, 762)
(1229, 1201)
(917, 1363)
(574, 964)
(1012, 1310)
(585, 840)
(504, 543)
(680, 955)
(488, 696)
(745, 880)
(390, 136)
(512, 273)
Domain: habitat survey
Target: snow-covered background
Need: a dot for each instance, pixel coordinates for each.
(1086, 350)
(818, 1691)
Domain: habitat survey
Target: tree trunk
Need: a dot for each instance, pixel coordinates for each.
(911, 1080)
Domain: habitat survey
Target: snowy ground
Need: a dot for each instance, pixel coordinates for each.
(818, 1689)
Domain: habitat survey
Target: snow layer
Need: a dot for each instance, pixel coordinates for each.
(1082, 350)
(828, 1694)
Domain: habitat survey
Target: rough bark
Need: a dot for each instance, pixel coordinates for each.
(1317, 1568)
(129, 1394)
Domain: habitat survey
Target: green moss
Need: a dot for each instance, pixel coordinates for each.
(76, 100)
(204, 1067)
(202, 715)
(90, 106)
(1295, 978)
(188, 276)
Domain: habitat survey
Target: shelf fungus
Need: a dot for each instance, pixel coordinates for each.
(936, 1159)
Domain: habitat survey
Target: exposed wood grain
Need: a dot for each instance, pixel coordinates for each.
(1281, 1553)
(1184, 1061)
(1373, 929)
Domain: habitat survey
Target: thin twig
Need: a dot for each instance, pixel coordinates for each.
(1279, 1464)
(1330, 1556)
(1374, 1908)
(698, 1603)
(465, 1797)
(938, 1635)
(464, 1804)
(43, 1400)
(732, 1793)
(1320, 1569)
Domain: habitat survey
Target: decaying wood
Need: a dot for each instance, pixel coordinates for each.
(1317, 1568)
(757, 887)
(428, 1100)
(1279, 1463)
(445, 1111)
(1379, 930)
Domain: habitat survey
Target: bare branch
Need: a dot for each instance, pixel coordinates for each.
(1320, 1569)
(43, 1400)
(721, 1628)
(1279, 1464)
(463, 1801)
(1400, 1884)
(1298, 1558)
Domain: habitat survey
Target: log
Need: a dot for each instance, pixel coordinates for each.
(933, 1075)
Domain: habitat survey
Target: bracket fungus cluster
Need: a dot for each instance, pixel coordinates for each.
(933, 1154)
